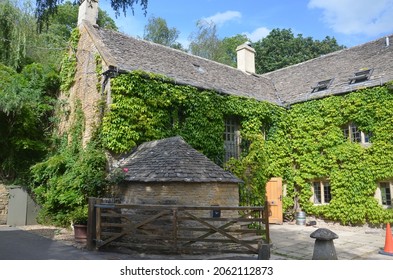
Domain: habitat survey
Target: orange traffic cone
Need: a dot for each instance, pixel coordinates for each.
(388, 249)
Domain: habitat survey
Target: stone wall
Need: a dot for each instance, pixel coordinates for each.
(187, 194)
(4, 198)
(84, 89)
(190, 194)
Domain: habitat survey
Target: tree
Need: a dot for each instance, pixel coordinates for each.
(46, 8)
(157, 31)
(55, 37)
(228, 47)
(205, 42)
(281, 48)
(26, 104)
(15, 29)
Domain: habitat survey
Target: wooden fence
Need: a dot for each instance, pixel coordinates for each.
(179, 229)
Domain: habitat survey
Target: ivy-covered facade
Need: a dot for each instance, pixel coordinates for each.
(328, 137)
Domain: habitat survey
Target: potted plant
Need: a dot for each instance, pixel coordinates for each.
(79, 219)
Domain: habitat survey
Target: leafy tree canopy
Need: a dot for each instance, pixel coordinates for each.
(205, 42)
(157, 31)
(228, 47)
(281, 48)
(46, 8)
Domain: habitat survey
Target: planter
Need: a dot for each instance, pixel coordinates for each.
(80, 233)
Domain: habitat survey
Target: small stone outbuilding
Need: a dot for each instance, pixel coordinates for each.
(171, 172)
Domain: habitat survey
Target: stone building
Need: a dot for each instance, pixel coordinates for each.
(337, 74)
(171, 172)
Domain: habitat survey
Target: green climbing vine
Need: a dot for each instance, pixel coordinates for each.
(64, 181)
(147, 107)
(315, 149)
(300, 144)
(72, 172)
(68, 64)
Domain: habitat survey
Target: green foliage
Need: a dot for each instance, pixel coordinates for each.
(68, 65)
(15, 29)
(315, 149)
(302, 144)
(158, 32)
(205, 42)
(147, 107)
(228, 46)
(26, 104)
(64, 181)
(46, 9)
(281, 48)
(80, 215)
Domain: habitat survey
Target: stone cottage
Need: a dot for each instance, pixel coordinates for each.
(333, 135)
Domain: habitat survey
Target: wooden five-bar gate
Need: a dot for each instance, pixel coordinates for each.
(179, 229)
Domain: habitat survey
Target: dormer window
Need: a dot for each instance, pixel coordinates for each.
(361, 76)
(322, 85)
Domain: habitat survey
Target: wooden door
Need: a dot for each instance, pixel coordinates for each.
(274, 198)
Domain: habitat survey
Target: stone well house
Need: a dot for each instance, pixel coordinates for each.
(171, 172)
(337, 74)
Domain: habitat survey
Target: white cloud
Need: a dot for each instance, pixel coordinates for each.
(356, 16)
(220, 18)
(258, 34)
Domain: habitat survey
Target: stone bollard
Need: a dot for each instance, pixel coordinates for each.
(324, 247)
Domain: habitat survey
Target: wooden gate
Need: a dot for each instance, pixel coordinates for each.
(179, 229)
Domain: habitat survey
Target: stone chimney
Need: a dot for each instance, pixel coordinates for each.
(88, 10)
(246, 58)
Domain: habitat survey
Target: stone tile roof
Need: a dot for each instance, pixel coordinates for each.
(128, 53)
(294, 83)
(172, 160)
(283, 87)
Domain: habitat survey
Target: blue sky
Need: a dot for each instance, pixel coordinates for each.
(351, 22)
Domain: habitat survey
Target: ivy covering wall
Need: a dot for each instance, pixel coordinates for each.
(146, 107)
(316, 149)
(302, 144)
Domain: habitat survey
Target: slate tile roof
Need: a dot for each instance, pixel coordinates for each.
(294, 83)
(283, 87)
(128, 53)
(172, 160)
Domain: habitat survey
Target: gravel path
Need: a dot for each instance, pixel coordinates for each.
(64, 235)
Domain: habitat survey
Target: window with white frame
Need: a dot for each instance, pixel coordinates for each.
(321, 192)
(384, 193)
(232, 138)
(352, 133)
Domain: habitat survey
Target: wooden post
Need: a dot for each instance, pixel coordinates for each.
(266, 215)
(98, 221)
(91, 224)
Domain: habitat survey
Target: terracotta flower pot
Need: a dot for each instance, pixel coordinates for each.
(80, 233)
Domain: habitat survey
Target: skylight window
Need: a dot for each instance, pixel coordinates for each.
(361, 76)
(322, 85)
(199, 68)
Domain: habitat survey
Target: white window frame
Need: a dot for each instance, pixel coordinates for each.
(322, 186)
(383, 196)
(353, 134)
(232, 138)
